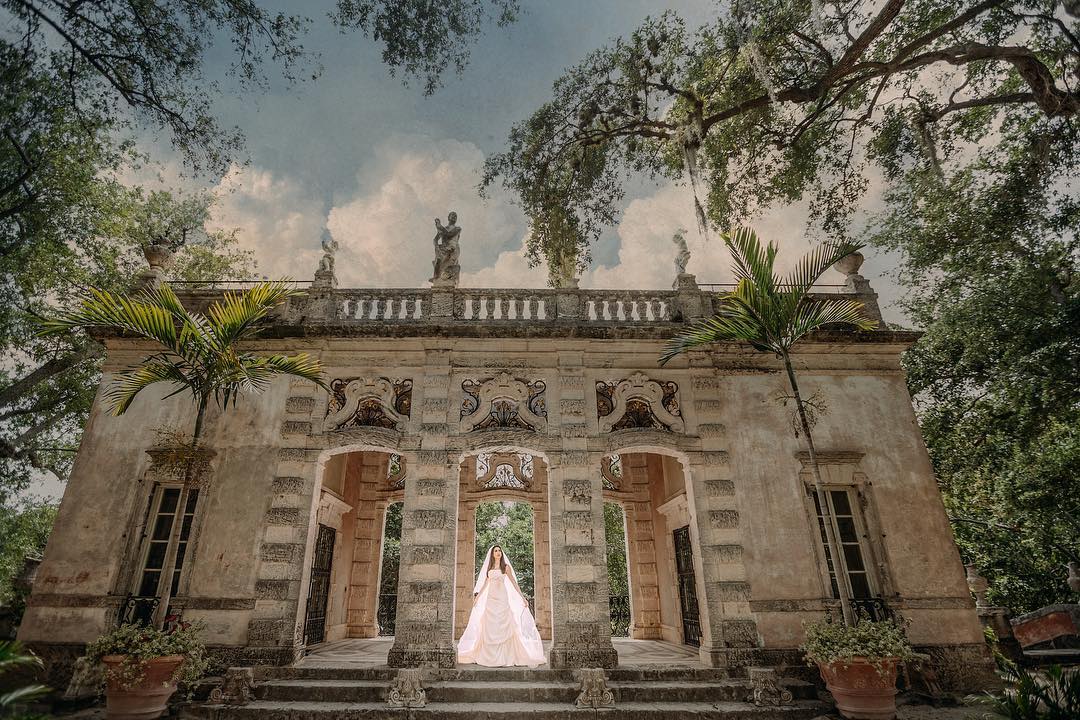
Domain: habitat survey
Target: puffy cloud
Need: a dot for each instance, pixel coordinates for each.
(276, 219)
(385, 231)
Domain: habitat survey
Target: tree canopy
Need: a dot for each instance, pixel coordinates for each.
(780, 101)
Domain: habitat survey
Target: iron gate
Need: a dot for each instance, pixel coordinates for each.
(319, 589)
(684, 565)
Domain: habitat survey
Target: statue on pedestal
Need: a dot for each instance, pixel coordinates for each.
(682, 256)
(324, 276)
(447, 251)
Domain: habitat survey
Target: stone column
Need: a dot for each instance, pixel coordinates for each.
(641, 548)
(466, 562)
(581, 623)
(425, 615)
(365, 474)
(729, 632)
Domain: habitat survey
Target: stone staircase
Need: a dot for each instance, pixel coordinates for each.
(313, 693)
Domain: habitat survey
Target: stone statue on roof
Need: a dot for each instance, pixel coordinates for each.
(682, 254)
(447, 252)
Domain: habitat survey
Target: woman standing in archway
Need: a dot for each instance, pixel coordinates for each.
(501, 630)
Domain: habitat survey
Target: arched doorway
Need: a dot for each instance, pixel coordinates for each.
(519, 478)
(343, 585)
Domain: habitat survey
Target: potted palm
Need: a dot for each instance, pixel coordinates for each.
(144, 666)
(858, 663)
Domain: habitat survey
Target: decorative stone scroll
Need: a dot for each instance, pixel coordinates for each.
(378, 402)
(638, 402)
(497, 471)
(503, 402)
(594, 690)
(395, 472)
(236, 688)
(611, 472)
(407, 690)
(767, 690)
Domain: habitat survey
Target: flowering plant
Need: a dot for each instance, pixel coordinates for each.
(139, 644)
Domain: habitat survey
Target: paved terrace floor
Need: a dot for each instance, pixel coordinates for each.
(372, 652)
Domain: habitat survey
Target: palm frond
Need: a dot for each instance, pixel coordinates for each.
(127, 385)
(236, 315)
(752, 262)
(13, 654)
(815, 313)
(732, 324)
(102, 308)
(809, 270)
(22, 694)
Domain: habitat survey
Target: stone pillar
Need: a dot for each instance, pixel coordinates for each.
(641, 548)
(690, 303)
(364, 476)
(466, 562)
(425, 614)
(856, 284)
(542, 554)
(729, 631)
(581, 633)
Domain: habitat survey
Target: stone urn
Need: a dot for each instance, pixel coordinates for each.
(978, 585)
(157, 256)
(850, 265)
(145, 699)
(863, 689)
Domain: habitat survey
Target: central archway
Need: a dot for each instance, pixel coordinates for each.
(515, 475)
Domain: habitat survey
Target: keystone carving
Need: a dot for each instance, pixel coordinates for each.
(503, 402)
(638, 402)
(375, 402)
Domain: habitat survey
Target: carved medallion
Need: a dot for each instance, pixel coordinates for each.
(495, 471)
(638, 402)
(360, 402)
(503, 402)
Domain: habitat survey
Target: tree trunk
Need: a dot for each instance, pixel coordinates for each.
(169, 566)
(830, 534)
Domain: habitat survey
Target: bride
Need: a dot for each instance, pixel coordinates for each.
(501, 630)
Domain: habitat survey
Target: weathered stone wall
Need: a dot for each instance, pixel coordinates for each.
(754, 545)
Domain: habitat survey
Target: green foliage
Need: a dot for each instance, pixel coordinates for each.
(25, 528)
(775, 102)
(989, 255)
(510, 526)
(1034, 697)
(140, 643)
(12, 657)
(615, 534)
(828, 641)
(391, 554)
(200, 351)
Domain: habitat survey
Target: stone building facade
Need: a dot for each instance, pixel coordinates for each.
(424, 383)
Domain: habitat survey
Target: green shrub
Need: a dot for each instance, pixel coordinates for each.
(829, 641)
(1055, 697)
(141, 644)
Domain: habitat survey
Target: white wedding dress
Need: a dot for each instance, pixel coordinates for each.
(501, 630)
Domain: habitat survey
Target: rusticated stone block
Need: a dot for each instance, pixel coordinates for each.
(579, 554)
(424, 592)
(265, 632)
(572, 407)
(707, 405)
(281, 552)
(272, 589)
(578, 492)
(578, 520)
(719, 488)
(739, 633)
(733, 591)
(288, 485)
(705, 383)
(724, 519)
(574, 430)
(572, 458)
(436, 404)
(580, 592)
(429, 519)
(292, 454)
(432, 457)
(727, 553)
(427, 554)
(711, 430)
(283, 516)
(300, 405)
(431, 488)
(434, 428)
(716, 457)
(572, 382)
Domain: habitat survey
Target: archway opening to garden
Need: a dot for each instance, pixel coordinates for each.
(388, 569)
(618, 569)
(509, 524)
(503, 500)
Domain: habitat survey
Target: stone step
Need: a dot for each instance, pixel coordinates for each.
(269, 710)
(677, 691)
(365, 691)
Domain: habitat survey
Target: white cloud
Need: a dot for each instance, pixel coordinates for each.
(385, 234)
(275, 218)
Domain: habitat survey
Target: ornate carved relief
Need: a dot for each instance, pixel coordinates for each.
(395, 472)
(512, 471)
(638, 402)
(377, 402)
(503, 402)
(611, 472)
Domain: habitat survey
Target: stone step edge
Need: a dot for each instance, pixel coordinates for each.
(337, 707)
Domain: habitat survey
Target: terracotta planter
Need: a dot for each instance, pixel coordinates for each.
(146, 700)
(862, 690)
